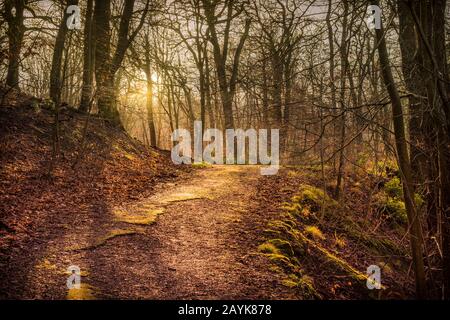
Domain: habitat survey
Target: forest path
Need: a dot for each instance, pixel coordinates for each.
(202, 246)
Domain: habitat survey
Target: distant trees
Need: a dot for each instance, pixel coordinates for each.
(142, 57)
(221, 47)
(280, 23)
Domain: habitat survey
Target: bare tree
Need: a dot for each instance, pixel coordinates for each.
(105, 65)
(227, 83)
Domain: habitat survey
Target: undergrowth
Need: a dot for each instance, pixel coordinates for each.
(316, 230)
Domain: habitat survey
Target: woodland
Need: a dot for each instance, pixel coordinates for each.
(92, 90)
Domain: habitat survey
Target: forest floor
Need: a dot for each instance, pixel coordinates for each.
(139, 227)
(136, 225)
(203, 246)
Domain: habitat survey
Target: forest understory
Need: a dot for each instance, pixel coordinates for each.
(225, 149)
(140, 227)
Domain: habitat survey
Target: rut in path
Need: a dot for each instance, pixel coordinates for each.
(202, 246)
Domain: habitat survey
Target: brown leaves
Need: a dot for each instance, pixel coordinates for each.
(114, 169)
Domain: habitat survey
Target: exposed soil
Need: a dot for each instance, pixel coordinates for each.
(203, 246)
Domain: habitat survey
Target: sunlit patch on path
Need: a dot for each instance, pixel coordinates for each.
(187, 240)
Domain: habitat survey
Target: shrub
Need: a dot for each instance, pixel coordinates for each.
(390, 201)
(394, 188)
(397, 210)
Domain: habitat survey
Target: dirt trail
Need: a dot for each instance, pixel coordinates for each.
(202, 245)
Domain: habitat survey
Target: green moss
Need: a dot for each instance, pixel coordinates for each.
(396, 208)
(293, 173)
(281, 252)
(129, 156)
(289, 283)
(200, 165)
(304, 284)
(144, 216)
(277, 246)
(315, 196)
(275, 268)
(314, 232)
(310, 202)
(332, 258)
(390, 201)
(283, 246)
(184, 196)
(297, 237)
(281, 259)
(85, 292)
(394, 188)
(418, 199)
(268, 248)
(362, 159)
(293, 243)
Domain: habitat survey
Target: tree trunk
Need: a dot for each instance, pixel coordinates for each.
(277, 82)
(405, 168)
(227, 85)
(103, 76)
(55, 73)
(343, 54)
(88, 60)
(150, 118)
(15, 32)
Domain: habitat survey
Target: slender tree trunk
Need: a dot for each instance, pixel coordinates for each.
(331, 65)
(343, 54)
(265, 96)
(202, 97)
(430, 27)
(443, 138)
(150, 117)
(88, 60)
(55, 73)
(209, 107)
(277, 82)
(415, 230)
